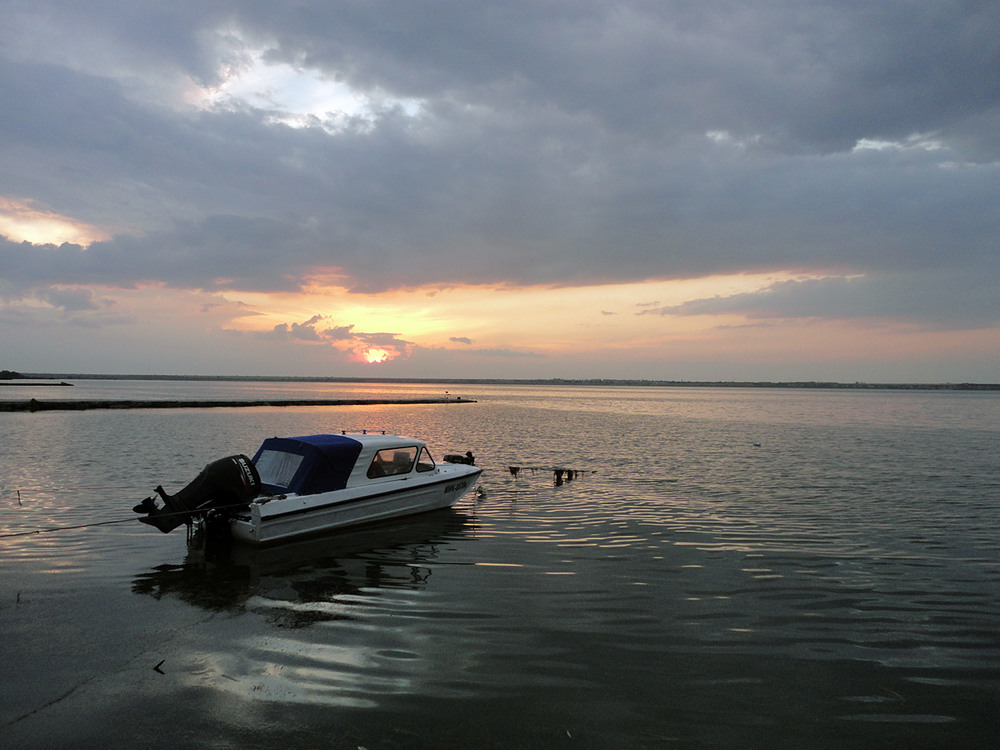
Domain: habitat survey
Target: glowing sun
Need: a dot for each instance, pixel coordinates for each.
(375, 355)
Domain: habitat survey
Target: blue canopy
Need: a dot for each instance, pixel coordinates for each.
(305, 465)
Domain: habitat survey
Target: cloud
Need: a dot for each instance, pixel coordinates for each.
(341, 338)
(954, 299)
(461, 340)
(250, 148)
(338, 333)
(302, 331)
(500, 353)
(486, 354)
(71, 300)
(309, 330)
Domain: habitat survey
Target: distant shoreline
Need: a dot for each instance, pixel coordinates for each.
(33, 405)
(806, 384)
(33, 382)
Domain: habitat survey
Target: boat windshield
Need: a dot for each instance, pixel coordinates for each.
(392, 461)
(425, 462)
(277, 467)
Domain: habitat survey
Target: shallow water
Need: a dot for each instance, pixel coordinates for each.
(734, 568)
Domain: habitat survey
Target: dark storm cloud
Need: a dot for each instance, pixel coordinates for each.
(556, 143)
(806, 75)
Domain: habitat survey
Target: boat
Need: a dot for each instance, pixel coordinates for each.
(299, 486)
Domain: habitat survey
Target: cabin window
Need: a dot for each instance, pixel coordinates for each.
(425, 462)
(391, 461)
(278, 468)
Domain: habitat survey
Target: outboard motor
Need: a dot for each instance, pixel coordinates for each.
(230, 481)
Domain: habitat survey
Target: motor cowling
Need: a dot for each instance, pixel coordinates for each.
(227, 483)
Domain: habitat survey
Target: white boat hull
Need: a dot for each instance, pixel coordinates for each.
(282, 518)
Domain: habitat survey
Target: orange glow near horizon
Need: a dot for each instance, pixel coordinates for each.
(527, 330)
(537, 319)
(515, 332)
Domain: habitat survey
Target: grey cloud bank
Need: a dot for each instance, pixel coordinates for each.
(550, 143)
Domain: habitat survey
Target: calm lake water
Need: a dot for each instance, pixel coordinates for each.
(738, 568)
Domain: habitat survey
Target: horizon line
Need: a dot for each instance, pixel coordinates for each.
(861, 385)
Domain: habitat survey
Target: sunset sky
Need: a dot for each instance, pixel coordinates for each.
(650, 189)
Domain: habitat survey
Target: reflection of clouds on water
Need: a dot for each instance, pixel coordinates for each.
(351, 658)
(328, 621)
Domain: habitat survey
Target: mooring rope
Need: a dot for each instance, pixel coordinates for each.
(20, 498)
(70, 489)
(67, 528)
(119, 520)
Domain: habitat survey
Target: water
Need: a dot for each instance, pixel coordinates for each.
(737, 568)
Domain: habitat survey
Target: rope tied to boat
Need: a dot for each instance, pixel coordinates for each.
(52, 529)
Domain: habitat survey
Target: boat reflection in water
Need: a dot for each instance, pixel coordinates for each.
(222, 577)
